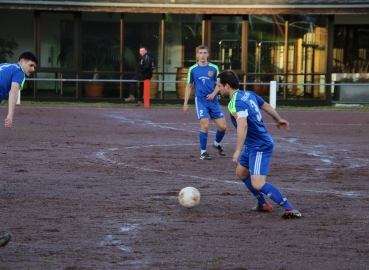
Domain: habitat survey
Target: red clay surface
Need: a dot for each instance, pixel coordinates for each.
(97, 188)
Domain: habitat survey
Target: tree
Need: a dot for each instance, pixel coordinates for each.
(7, 46)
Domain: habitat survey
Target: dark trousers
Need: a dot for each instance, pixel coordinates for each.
(138, 77)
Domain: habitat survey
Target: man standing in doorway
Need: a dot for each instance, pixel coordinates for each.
(145, 70)
(203, 75)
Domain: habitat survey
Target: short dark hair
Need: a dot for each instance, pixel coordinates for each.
(230, 77)
(203, 47)
(30, 56)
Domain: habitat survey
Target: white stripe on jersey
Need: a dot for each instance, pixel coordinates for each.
(257, 164)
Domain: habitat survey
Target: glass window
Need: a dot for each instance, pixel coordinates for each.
(56, 39)
(183, 34)
(265, 51)
(142, 30)
(56, 53)
(226, 33)
(17, 36)
(351, 49)
(307, 55)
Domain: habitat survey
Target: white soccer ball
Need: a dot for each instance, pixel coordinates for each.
(189, 197)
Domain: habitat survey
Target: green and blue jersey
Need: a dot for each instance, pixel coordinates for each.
(247, 104)
(10, 73)
(204, 78)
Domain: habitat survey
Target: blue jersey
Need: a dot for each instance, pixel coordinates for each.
(10, 73)
(204, 78)
(247, 104)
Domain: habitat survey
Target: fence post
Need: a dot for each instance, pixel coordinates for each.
(146, 93)
(273, 94)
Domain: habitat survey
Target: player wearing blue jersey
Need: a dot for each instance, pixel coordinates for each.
(12, 77)
(203, 75)
(254, 147)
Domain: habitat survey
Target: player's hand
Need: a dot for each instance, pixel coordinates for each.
(235, 157)
(210, 97)
(283, 123)
(185, 109)
(8, 122)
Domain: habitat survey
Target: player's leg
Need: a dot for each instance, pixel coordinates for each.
(259, 168)
(243, 172)
(216, 113)
(203, 117)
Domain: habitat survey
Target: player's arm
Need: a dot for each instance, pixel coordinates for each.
(186, 98)
(13, 97)
(213, 94)
(241, 136)
(273, 113)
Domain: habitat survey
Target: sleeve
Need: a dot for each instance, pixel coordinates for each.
(19, 78)
(260, 100)
(189, 76)
(216, 73)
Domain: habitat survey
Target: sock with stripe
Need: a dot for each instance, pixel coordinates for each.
(258, 195)
(275, 195)
(218, 137)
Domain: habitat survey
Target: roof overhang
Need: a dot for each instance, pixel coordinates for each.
(236, 7)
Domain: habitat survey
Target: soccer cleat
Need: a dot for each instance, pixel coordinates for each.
(130, 98)
(4, 240)
(291, 213)
(262, 208)
(205, 156)
(139, 103)
(220, 149)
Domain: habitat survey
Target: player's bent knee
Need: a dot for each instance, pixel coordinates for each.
(242, 172)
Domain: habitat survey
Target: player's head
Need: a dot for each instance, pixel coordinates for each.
(202, 53)
(227, 81)
(28, 56)
(28, 61)
(229, 77)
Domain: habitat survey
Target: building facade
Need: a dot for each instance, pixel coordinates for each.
(303, 45)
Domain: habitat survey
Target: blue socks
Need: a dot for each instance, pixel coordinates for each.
(258, 195)
(219, 136)
(203, 140)
(275, 195)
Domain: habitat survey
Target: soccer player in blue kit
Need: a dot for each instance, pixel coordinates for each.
(12, 77)
(203, 75)
(254, 144)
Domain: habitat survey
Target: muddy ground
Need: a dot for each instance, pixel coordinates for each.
(96, 188)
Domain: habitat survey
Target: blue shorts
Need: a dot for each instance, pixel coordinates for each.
(256, 161)
(208, 108)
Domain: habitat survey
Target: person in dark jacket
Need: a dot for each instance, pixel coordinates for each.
(144, 72)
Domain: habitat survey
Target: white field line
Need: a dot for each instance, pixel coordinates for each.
(101, 155)
(298, 147)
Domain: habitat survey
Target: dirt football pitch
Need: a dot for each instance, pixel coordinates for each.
(97, 188)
